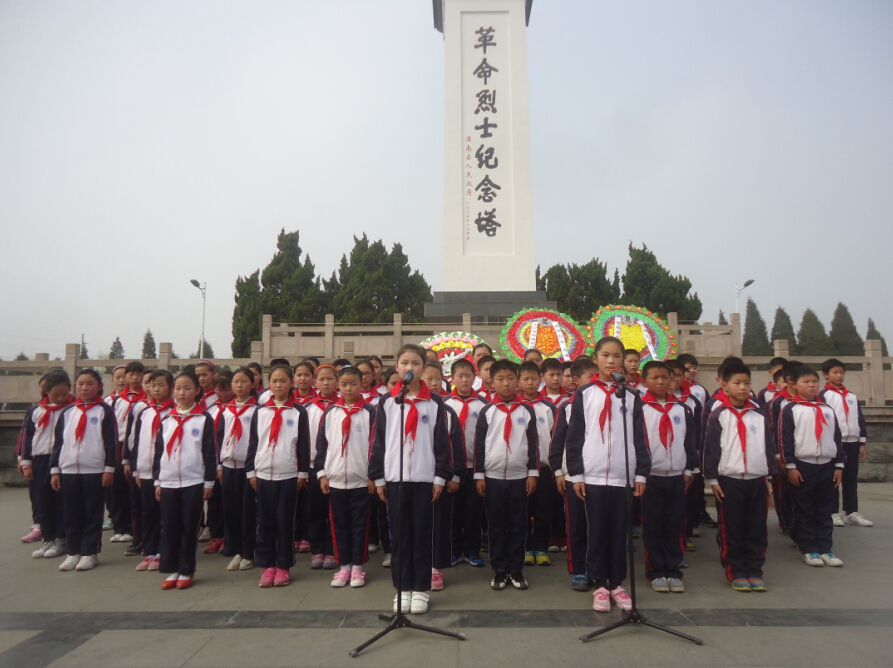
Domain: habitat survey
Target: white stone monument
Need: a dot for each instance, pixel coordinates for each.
(489, 262)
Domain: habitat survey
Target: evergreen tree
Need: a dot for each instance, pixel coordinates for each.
(874, 335)
(149, 346)
(783, 328)
(580, 289)
(812, 338)
(756, 338)
(247, 314)
(84, 354)
(722, 318)
(117, 350)
(615, 284)
(844, 339)
(291, 291)
(207, 352)
(646, 283)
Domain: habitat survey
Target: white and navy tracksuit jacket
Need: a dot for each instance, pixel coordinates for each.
(427, 450)
(37, 439)
(673, 449)
(95, 452)
(289, 456)
(767, 394)
(846, 407)
(724, 453)
(513, 459)
(140, 455)
(800, 440)
(594, 444)
(471, 407)
(315, 408)
(345, 463)
(191, 458)
(544, 410)
(125, 405)
(233, 440)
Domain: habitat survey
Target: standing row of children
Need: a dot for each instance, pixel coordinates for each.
(515, 449)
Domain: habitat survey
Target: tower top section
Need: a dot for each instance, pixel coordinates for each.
(438, 13)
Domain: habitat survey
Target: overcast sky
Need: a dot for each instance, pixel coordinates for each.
(146, 144)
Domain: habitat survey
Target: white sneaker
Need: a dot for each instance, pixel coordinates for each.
(858, 520)
(70, 562)
(373, 548)
(116, 538)
(203, 537)
(387, 560)
(40, 551)
(813, 559)
(56, 548)
(125, 538)
(837, 519)
(86, 563)
(405, 601)
(829, 559)
(419, 604)
(246, 564)
(234, 564)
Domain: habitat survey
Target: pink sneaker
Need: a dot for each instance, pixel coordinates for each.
(33, 536)
(342, 577)
(283, 577)
(357, 577)
(145, 563)
(156, 564)
(267, 578)
(304, 546)
(621, 598)
(436, 580)
(601, 600)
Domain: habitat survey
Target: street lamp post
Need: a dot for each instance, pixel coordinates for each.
(737, 292)
(201, 341)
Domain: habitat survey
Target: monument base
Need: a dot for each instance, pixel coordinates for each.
(484, 307)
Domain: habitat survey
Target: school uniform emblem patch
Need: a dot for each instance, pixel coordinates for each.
(358, 428)
(520, 420)
(290, 423)
(196, 432)
(474, 415)
(94, 420)
(543, 420)
(424, 419)
(677, 419)
(753, 429)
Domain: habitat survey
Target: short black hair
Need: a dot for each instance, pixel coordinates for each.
(135, 366)
(654, 364)
(485, 359)
(827, 365)
(688, 358)
(777, 361)
(675, 365)
(54, 378)
(89, 371)
(801, 371)
(731, 359)
(787, 371)
(279, 361)
(461, 363)
(282, 367)
(255, 366)
(307, 364)
(431, 364)
(582, 366)
(482, 345)
(734, 368)
(550, 363)
(223, 380)
(504, 365)
(340, 362)
(566, 365)
(533, 350)
(350, 371)
(163, 373)
(778, 375)
(530, 367)
(632, 351)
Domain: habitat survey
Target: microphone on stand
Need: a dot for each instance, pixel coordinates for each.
(408, 378)
(617, 376)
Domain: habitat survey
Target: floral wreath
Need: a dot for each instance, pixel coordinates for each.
(554, 334)
(451, 346)
(638, 328)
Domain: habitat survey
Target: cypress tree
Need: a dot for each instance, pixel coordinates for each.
(149, 346)
(812, 338)
(844, 339)
(722, 318)
(756, 338)
(783, 328)
(117, 350)
(247, 314)
(646, 283)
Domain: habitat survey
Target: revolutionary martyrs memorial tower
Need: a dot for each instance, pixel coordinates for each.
(489, 263)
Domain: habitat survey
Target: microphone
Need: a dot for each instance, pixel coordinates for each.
(408, 377)
(617, 376)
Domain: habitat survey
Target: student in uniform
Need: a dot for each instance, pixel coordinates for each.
(814, 459)
(681, 390)
(854, 434)
(37, 447)
(34, 534)
(342, 465)
(595, 454)
(81, 464)
(258, 372)
(784, 500)
(216, 520)
(425, 442)
(239, 500)
(139, 460)
(506, 469)
(304, 391)
(319, 533)
(367, 372)
(486, 389)
(185, 469)
(129, 401)
(277, 468)
(467, 506)
(552, 375)
(480, 351)
(539, 504)
(671, 437)
(631, 361)
(739, 457)
(582, 370)
(767, 394)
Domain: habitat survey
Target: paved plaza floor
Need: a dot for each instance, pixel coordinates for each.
(114, 616)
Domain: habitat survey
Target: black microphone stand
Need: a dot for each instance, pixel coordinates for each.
(400, 620)
(634, 616)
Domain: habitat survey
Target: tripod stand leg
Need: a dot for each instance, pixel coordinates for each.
(696, 641)
(431, 629)
(590, 636)
(390, 627)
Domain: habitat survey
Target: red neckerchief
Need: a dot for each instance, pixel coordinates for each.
(608, 408)
(322, 403)
(81, 427)
(276, 424)
(212, 396)
(635, 381)
(843, 392)
(508, 408)
(177, 436)
(544, 393)
(820, 420)
(349, 412)
(167, 405)
(132, 399)
(783, 392)
(463, 414)
(412, 416)
(665, 428)
(49, 409)
(235, 433)
(684, 391)
(304, 398)
(377, 387)
(739, 413)
(486, 394)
